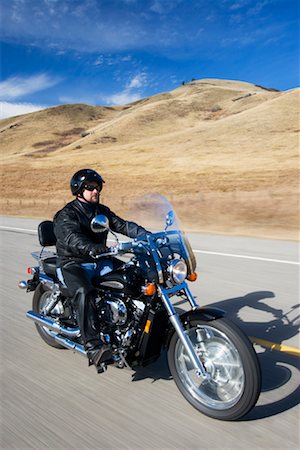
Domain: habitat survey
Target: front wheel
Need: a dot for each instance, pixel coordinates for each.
(234, 377)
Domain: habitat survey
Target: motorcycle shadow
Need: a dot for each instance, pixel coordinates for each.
(280, 388)
(280, 370)
(158, 370)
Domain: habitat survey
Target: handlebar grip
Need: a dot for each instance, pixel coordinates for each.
(125, 246)
(101, 255)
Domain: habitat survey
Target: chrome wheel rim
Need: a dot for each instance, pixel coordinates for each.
(221, 360)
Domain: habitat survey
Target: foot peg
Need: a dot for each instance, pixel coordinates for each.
(102, 367)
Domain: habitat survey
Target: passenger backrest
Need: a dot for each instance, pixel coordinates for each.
(46, 233)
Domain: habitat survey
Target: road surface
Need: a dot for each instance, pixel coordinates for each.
(51, 399)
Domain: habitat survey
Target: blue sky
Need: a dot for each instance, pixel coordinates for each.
(109, 52)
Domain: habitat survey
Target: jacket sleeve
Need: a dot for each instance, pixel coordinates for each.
(68, 231)
(130, 229)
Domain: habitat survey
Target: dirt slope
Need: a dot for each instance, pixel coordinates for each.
(225, 152)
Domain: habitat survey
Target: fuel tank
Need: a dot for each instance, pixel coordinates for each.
(127, 281)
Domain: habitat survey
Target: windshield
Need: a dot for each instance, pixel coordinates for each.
(155, 212)
(151, 211)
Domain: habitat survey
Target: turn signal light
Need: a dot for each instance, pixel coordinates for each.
(147, 326)
(22, 284)
(192, 277)
(149, 289)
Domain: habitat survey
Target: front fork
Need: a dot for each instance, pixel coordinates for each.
(165, 295)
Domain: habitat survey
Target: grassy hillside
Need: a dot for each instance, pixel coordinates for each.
(225, 152)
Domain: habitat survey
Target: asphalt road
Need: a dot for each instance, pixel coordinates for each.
(51, 399)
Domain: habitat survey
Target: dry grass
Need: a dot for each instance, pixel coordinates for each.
(225, 152)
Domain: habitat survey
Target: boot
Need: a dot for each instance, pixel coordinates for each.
(98, 354)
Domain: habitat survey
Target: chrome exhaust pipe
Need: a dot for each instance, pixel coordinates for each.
(68, 344)
(54, 326)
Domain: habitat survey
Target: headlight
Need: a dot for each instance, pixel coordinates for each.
(178, 271)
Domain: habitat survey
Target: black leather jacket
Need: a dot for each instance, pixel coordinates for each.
(75, 239)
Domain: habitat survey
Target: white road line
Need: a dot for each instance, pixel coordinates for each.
(18, 230)
(232, 255)
(257, 258)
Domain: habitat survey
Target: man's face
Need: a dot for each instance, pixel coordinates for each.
(91, 192)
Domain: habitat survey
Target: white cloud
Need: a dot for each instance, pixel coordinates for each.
(157, 7)
(99, 61)
(8, 109)
(126, 58)
(253, 7)
(257, 35)
(163, 7)
(160, 26)
(110, 60)
(131, 92)
(87, 26)
(122, 98)
(137, 81)
(16, 87)
(256, 8)
(238, 5)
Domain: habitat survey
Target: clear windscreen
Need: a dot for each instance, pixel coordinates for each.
(156, 213)
(151, 211)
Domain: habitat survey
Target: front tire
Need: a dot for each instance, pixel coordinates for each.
(234, 380)
(40, 298)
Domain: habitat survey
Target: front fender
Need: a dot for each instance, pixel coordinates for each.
(207, 314)
(202, 313)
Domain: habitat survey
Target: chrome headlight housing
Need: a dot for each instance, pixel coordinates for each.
(178, 271)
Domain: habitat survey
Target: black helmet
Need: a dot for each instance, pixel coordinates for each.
(82, 177)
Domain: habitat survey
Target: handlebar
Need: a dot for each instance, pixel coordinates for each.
(125, 247)
(121, 247)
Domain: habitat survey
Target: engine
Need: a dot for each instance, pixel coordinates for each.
(119, 316)
(115, 311)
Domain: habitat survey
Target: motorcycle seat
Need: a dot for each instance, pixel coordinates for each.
(49, 266)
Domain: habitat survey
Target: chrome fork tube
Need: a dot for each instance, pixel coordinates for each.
(174, 319)
(190, 297)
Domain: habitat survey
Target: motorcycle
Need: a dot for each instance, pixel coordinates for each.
(211, 360)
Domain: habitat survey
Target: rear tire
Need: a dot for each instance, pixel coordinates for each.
(230, 360)
(40, 298)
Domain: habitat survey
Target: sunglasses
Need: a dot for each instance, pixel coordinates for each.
(91, 187)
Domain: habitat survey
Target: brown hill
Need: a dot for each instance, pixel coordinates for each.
(225, 152)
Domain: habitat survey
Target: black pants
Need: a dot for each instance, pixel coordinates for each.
(79, 286)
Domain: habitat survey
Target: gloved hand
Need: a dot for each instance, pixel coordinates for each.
(113, 249)
(96, 253)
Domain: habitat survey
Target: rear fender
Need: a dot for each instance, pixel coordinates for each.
(33, 283)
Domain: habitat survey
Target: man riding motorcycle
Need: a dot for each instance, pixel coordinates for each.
(76, 243)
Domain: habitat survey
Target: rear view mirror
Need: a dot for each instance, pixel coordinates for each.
(99, 224)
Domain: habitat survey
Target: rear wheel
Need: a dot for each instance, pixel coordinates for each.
(234, 381)
(41, 297)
